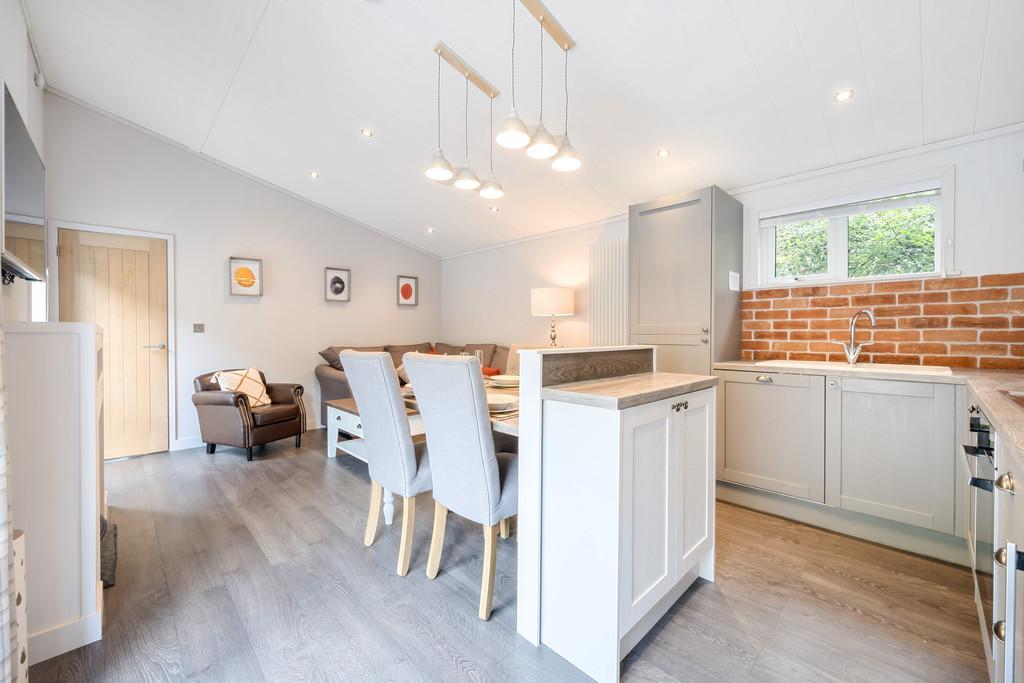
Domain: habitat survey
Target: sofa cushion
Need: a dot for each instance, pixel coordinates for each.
(397, 351)
(500, 359)
(246, 381)
(447, 349)
(332, 353)
(486, 352)
(275, 412)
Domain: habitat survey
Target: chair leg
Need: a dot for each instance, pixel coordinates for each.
(503, 528)
(436, 540)
(248, 453)
(408, 527)
(210, 448)
(373, 516)
(487, 581)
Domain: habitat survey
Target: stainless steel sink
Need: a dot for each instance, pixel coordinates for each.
(866, 368)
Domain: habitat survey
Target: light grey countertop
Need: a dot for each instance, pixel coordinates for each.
(626, 391)
(990, 387)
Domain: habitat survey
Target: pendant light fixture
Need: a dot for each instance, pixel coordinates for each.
(566, 160)
(491, 188)
(465, 179)
(542, 144)
(512, 133)
(438, 168)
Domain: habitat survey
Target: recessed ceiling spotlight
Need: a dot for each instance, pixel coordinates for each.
(314, 175)
(663, 153)
(430, 230)
(366, 132)
(494, 209)
(844, 95)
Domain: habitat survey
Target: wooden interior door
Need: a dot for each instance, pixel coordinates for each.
(120, 283)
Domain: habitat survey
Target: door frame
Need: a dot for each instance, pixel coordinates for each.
(53, 306)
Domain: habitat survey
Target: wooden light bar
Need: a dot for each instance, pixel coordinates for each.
(459, 64)
(550, 24)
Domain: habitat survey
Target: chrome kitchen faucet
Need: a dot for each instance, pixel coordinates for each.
(853, 349)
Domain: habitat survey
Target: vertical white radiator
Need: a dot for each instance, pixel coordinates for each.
(609, 293)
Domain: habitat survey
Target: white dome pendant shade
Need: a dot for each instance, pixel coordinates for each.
(465, 179)
(542, 143)
(439, 169)
(566, 160)
(491, 189)
(513, 133)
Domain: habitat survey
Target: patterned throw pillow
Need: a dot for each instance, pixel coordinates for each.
(246, 381)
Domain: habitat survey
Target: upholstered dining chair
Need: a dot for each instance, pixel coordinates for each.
(396, 462)
(470, 478)
(227, 418)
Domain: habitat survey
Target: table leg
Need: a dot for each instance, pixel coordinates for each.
(332, 439)
(389, 507)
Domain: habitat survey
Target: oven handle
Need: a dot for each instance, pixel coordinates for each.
(986, 484)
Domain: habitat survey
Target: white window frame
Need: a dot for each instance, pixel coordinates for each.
(838, 226)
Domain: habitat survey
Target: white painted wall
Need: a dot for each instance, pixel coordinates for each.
(989, 193)
(103, 172)
(17, 68)
(487, 294)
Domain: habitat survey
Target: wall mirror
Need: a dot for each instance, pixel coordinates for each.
(24, 243)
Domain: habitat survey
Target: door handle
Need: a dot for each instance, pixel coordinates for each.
(764, 379)
(1004, 482)
(155, 346)
(1000, 556)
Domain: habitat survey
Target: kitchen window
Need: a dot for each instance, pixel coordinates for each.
(890, 236)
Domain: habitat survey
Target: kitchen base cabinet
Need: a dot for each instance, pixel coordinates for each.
(889, 450)
(628, 521)
(772, 435)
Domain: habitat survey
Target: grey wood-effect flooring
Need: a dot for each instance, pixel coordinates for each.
(255, 571)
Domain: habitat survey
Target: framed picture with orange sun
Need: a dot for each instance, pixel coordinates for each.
(246, 276)
(408, 290)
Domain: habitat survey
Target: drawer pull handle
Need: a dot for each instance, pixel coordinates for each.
(682, 405)
(999, 631)
(359, 426)
(1004, 482)
(764, 379)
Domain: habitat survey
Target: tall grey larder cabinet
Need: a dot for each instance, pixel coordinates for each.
(685, 260)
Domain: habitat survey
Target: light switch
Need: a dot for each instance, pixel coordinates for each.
(198, 328)
(734, 281)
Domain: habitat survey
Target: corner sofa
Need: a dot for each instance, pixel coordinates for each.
(334, 385)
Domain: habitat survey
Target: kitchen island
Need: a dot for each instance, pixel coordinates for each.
(616, 510)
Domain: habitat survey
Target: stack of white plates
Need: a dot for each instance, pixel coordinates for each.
(510, 381)
(500, 404)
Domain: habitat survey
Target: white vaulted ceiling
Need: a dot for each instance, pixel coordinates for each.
(739, 90)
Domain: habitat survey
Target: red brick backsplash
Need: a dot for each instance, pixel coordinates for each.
(973, 322)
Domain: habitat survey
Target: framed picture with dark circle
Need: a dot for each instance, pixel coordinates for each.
(408, 290)
(337, 284)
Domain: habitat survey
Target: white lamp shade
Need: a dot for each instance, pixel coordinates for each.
(566, 160)
(465, 179)
(542, 144)
(512, 133)
(491, 189)
(439, 169)
(546, 301)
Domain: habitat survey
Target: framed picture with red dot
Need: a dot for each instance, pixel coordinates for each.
(408, 290)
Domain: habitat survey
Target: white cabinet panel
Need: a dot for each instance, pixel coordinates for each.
(694, 477)
(648, 481)
(890, 450)
(772, 432)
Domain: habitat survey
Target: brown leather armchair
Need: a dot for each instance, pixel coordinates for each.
(226, 418)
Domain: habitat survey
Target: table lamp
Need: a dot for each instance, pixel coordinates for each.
(552, 301)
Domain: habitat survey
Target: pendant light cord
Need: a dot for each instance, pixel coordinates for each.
(439, 101)
(540, 24)
(490, 135)
(514, 54)
(566, 82)
(467, 120)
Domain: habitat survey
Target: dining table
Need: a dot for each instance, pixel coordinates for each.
(344, 429)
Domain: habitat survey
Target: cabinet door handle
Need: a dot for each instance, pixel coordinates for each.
(1004, 482)
(682, 405)
(764, 379)
(155, 346)
(833, 383)
(705, 330)
(999, 631)
(1000, 557)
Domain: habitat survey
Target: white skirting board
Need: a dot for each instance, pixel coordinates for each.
(66, 637)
